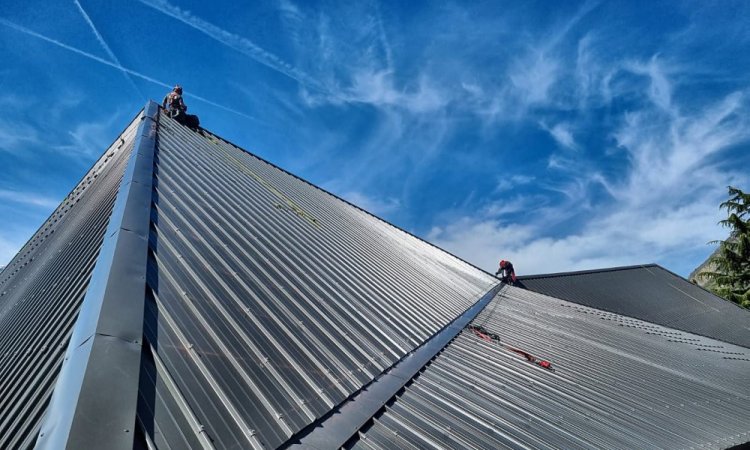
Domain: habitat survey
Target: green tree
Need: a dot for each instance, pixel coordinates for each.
(729, 268)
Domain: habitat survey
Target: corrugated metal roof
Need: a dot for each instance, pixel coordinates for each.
(618, 383)
(41, 291)
(271, 300)
(651, 293)
(271, 307)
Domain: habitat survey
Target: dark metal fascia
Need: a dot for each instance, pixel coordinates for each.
(95, 397)
(336, 427)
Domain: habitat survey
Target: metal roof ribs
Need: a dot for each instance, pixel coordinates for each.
(335, 428)
(95, 397)
(651, 293)
(281, 169)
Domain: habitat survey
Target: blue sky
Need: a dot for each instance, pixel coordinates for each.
(562, 137)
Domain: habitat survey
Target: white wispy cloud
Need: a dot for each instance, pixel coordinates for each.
(366, 80)
(87, 139)
(377, 88)
(28, 198)
(292, 20)
(513, 181)
(15, 136)
(662, 206)
(510, 204)
(355, 60)
(533, 77)
(534, 73)
(374, 205)
(562, 133)
(665, 208)
(383, 38)
(353, 63)
(661, 202)
(660, 89)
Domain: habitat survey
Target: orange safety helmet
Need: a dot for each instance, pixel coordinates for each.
(502, 263)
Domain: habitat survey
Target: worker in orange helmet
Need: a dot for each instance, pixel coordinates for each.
(508, 273)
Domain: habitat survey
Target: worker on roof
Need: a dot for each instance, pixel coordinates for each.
(177, 109)
(173, 102)
(506, 272)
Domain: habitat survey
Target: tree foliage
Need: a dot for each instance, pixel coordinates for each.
(729, 268)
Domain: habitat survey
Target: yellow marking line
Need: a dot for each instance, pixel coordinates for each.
(289, 202)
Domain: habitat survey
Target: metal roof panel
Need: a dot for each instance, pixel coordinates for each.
(618, 383)
(652, 293)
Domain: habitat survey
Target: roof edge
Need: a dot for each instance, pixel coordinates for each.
(583, 272)
(624, 314)
(620, 268)
(337, 426)
(107, 337)
(347, 202)
(13, 261)
(708, 291)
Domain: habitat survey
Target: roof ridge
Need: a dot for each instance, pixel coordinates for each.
(107, 336)
(589, 271)
(344, 200)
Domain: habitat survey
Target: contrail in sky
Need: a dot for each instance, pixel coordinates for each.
(236, 42)
(25, 30)
(383, 38)
(104, 45)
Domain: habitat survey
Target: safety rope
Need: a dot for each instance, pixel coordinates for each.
(488, 336)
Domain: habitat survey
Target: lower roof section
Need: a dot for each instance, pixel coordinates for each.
(617, 383)
(651, 293)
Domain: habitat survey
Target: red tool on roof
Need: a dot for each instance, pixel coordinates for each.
(492, 337)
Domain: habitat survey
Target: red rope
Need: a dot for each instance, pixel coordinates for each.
(492, 337)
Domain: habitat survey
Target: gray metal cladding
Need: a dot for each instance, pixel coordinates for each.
(41, 291)
(618, 383)
(271, 301)
(650, 293)
(344, 421)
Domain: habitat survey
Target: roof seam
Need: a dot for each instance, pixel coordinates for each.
(338, 425)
